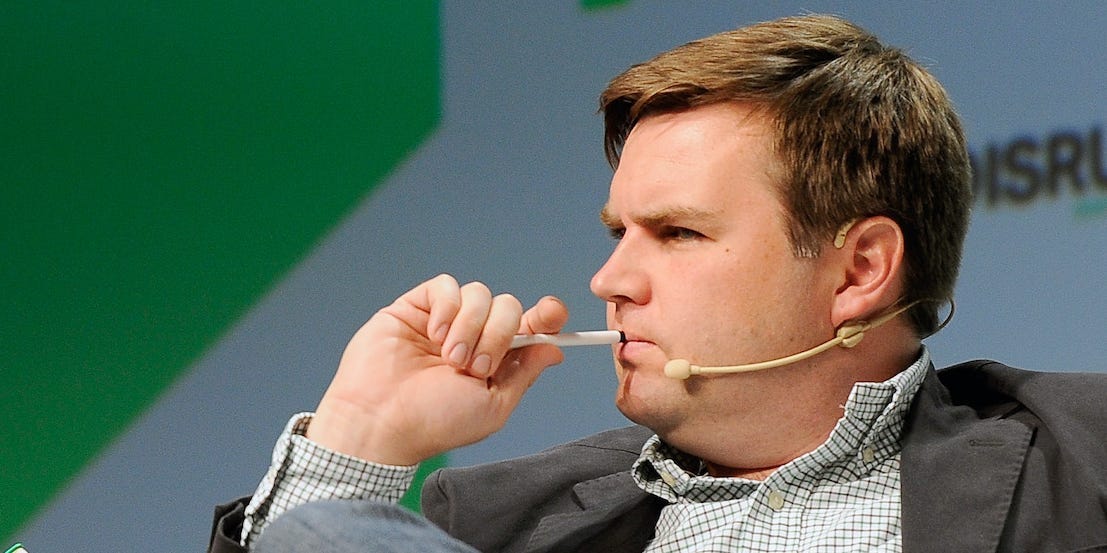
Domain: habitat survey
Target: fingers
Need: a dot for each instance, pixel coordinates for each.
(474, 329)
(494, 340)
(481, 332)
(441, 296)
(467, 324)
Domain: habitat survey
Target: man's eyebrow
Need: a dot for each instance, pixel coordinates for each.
(662, 216)
(608, 218)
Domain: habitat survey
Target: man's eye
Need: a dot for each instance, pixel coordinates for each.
(680, 234)
(617, 232)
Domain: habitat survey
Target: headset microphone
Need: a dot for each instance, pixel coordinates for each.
(847, 336)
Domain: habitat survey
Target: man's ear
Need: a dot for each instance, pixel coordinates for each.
(870, 264)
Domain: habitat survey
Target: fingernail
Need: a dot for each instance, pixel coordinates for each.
(459, 354)
(481, 365)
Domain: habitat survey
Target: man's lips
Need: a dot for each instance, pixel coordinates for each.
(633, 348)
(632, 336)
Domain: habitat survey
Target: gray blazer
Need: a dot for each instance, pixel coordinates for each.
(993, 459)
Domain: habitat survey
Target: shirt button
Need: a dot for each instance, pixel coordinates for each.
(668, 478)
(868, 454)
(776, 501)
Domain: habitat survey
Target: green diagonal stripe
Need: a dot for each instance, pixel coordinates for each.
(590, 5)
(163, 164)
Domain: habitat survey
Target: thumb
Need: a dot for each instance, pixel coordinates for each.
(547, 316)
(525, 365)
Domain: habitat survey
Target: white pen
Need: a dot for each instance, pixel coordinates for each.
(586, 338)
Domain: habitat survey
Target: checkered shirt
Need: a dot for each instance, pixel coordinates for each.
(843, 496)
(304, 471)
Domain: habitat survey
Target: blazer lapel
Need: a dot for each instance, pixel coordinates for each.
(958, 474)
(615, 516)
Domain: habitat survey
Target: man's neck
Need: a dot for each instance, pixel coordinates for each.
(786, 428)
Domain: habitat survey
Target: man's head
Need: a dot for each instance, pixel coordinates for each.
(860, 130)
(737, 160)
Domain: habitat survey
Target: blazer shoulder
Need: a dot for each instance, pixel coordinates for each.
(1068, 402)
(629, 439)
(983, 381)
(1026, 449)
(584, 459)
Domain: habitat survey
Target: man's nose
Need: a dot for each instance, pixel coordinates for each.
(621, 278)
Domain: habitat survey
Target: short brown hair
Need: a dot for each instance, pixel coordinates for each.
(862, 130)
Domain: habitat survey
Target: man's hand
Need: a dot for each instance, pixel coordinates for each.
(432, 372)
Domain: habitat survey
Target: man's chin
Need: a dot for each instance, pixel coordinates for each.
(641, 411)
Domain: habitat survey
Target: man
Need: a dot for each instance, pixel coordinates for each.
(774, 185)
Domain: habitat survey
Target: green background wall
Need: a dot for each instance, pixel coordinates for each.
(164, 163)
